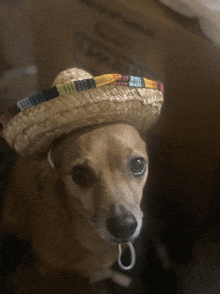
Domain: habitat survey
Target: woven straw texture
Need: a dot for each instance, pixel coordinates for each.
(34, 129)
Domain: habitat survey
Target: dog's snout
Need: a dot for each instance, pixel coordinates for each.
(121, 223)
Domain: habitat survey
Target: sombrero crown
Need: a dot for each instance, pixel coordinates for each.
(78, 100)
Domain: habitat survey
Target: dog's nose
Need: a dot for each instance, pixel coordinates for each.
(121, 223)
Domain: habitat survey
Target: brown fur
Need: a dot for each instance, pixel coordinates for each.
(66, 222)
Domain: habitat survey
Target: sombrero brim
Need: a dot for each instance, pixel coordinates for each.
(34, 129)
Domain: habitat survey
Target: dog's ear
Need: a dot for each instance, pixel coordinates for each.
(48, 180)
(44, 173)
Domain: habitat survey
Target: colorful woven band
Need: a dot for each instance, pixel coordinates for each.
(76, 86)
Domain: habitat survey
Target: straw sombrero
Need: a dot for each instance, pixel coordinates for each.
(78, 100)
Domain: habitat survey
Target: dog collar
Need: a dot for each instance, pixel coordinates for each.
(77, 86)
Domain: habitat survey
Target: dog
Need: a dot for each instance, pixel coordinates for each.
(78, 204)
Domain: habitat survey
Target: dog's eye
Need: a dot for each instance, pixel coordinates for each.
(83, 176)
(138, 166)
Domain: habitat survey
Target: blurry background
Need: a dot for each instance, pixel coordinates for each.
(175, 42)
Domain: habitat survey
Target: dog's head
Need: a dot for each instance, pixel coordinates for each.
(104, 170)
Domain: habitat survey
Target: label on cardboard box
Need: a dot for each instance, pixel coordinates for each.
(105, 36)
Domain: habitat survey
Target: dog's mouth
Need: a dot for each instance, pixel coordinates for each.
(122, 241)
(111, 231)
(106, 236)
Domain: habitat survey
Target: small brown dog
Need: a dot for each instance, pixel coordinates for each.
(76, 212)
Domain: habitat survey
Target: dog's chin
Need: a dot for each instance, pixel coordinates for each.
(116, 241)
(121, 241)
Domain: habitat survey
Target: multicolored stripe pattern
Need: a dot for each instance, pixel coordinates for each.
(77, 86)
